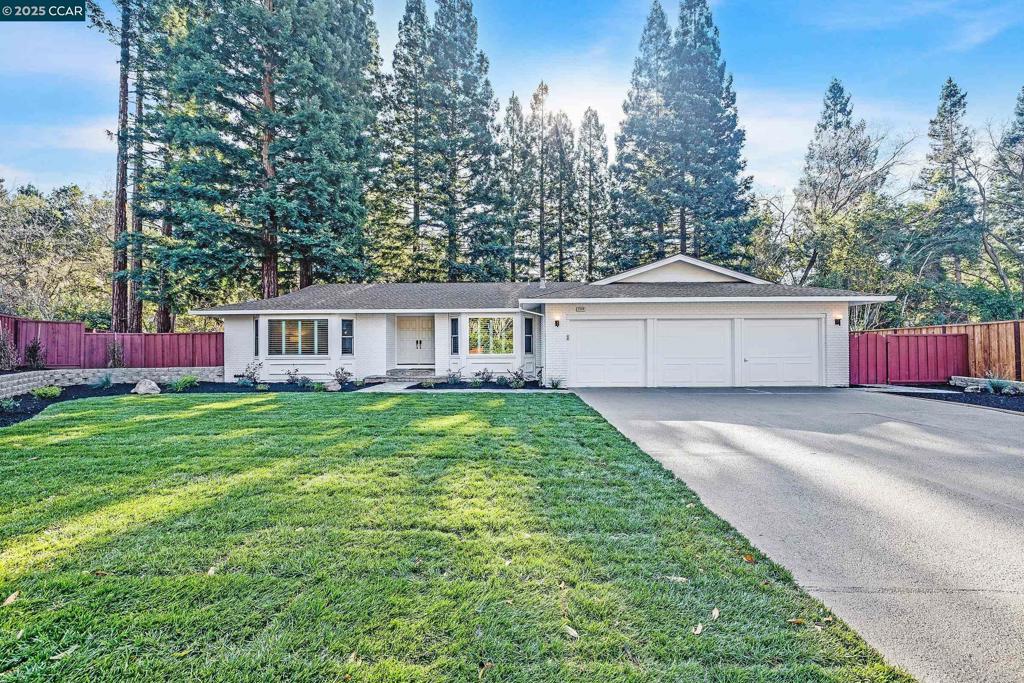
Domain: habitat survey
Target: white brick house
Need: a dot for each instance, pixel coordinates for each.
(677, 322)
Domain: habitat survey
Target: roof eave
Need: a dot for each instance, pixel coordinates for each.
(214, 313)
(849, 298)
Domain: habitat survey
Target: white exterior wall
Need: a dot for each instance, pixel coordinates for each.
(470, 363)
(835, 354)
(238, 345)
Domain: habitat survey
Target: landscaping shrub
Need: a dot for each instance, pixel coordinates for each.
(486, 375)
(34, 357)
(455, 377)
(501, 380)
(262, 387)
(319, 387)
(104, 382)
(555, 382)
(9, 405)
(8, 352)
(47, 393)
(517, 378)
(428, 383)
(476, 383)
(295, 378)
(358, 382)
(251, 375)
(342, 376)
(184, 383)
(115, 355)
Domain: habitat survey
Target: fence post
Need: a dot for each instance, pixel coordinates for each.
(1017, 360)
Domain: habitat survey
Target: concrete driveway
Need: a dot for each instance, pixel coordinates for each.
(903, 515)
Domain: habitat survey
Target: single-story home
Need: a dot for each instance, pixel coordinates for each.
(678, 322)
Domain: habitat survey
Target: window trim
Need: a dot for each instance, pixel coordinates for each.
(529, 329)
(469, 336)
(351, 337)
(256, 336)
(317, 351)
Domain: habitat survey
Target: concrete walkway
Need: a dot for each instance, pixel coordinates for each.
(905, 516)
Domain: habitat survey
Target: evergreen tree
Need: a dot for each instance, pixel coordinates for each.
(710, 197)
(593, 179)
(270, 163)
(1007, 192)
(463, 192)
(517, 170)
(406, 133)
(540, 120)
(954, 235)
(561, 149)
(840, 168)
(642, 162)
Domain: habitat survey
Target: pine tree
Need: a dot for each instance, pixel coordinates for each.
(517, 171)
(1007, 192)
(593, 179)
(954, 234)
(840, 168)
(406, 133)
(463, 192)
(540, 121)
(561, 149)
(268, 165)
(642, 162)
(710, 196)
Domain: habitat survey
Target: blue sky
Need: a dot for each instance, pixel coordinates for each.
(58, 81)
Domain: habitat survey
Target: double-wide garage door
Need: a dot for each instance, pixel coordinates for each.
(692, 352)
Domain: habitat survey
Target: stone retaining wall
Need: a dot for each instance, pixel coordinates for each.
(958, 381)
(22, 382)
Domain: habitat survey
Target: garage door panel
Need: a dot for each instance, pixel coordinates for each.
(693, 353)
(781, 352)
(608, 353)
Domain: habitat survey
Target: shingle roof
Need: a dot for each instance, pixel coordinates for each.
(680, 290)
(402, 296)
(507, 295)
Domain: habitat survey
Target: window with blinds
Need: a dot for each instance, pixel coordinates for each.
(297, 337)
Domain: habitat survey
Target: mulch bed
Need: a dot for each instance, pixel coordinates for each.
(1014, 403)
(486, 385)
(29, 405)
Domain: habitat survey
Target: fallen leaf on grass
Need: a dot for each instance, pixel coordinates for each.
(62, 655)
(828, 620)
(573, 633)
(211, 571)
(677, 579)
(353, 658)
(749, 559)
(795, 622)
(484, 666)
(20, 634)
(714, 614)
(183, 653)
(691, 505)
(11, 598)
(698, 629)
(508, 562)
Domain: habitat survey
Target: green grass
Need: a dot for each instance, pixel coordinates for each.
(381, 538)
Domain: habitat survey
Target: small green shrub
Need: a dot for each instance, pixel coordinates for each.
(428, 383)
(251, 375)
(455, 377)
(104, 382)
(47, 393)
(298, 380)
(184, 383)
(262, 387)
(501, 380)
(555, 382)
(476, 383)
(517, 378)
(319, 387)
(34, 357)
(9, 405)
(486, 375)
(342, 376)
(359, 382)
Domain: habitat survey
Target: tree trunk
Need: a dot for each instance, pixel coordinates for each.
(590, 227)
(810, 265)
(305, 272)
(119, 284)
(696, 240)
(660, 249)
(135, 293)
(682, 230)
(268, 238)
(561, 236)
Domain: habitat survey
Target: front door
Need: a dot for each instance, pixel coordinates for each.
(415, 340)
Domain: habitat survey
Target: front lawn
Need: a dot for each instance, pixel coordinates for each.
(380, 538)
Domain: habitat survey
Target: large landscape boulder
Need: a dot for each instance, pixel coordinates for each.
(333, 386)
(146, 387)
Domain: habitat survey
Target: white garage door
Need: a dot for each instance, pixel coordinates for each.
(693, 353)
(781, 352)
(607, 353)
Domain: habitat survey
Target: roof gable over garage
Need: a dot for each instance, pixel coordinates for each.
(680, 269)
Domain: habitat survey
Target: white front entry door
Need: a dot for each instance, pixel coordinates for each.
(693, 353)
(781, 352)
(607, 353)
(415, 340)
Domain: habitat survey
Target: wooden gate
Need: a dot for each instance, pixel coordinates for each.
(906, 358)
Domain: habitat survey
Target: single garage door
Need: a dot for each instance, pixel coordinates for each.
(781, 352)
(693, 353)
(607, 353)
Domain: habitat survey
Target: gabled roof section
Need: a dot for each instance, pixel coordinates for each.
(681, 269)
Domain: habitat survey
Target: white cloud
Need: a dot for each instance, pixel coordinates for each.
(90, 136)
(71, 50)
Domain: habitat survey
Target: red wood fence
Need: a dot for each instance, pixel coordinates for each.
(995, 348)
(907, 359)
(68, 345)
